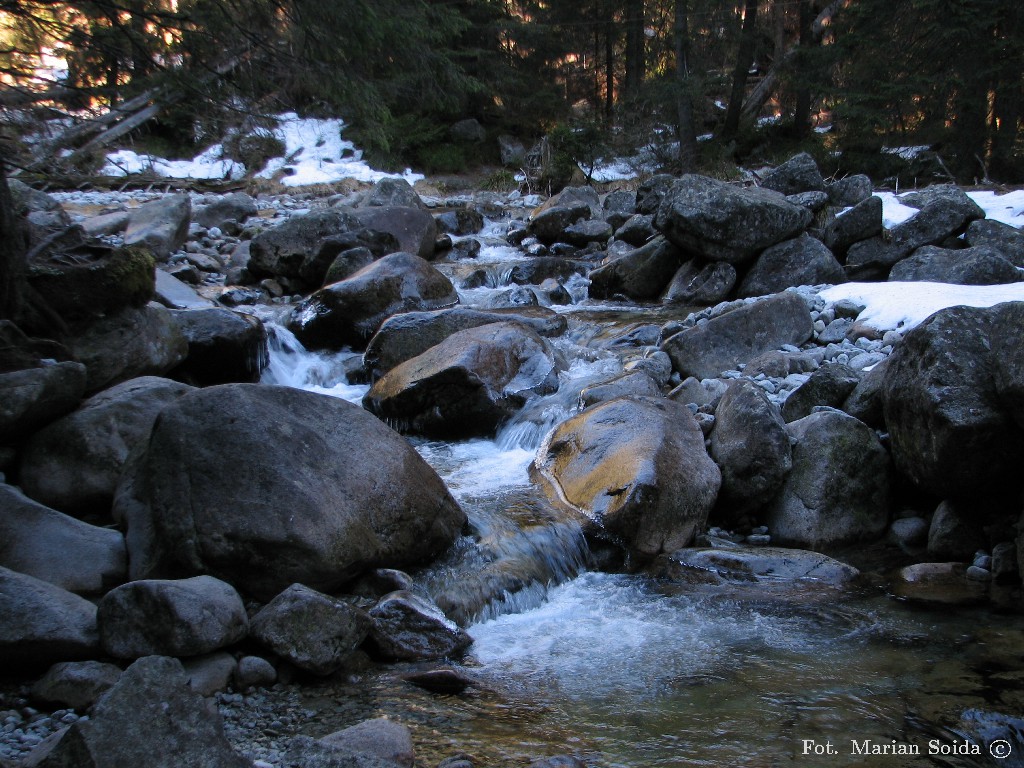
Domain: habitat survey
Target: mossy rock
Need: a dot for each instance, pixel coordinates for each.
(94, 282)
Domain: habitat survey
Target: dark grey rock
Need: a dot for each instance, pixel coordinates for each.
(285, 249)
(468, 131)
(812, 201)
(584, 233)
(636, 230)
(636, 383)
(392, 192)
(347, 263)
(254, 672)
(223, 347)
(235, 207)
(619, 206)
(830, 385)
(413, 228)
(210, 673)
(550, 225)
(800, 261)
(313, 631)
(851, 190)
(385, 739)
(798, 174)
(861, 222)
(407, 627)
(651, 192)
(33, 397)
(1007, 240)
(979, 265)
(640, 274)
(461, 221)
(537, 270)
(75, 684)
(701, 285)
(770, 565)
(160, 225)
(955, 533)
(865, 401)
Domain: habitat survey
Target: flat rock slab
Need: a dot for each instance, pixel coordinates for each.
(767, 565)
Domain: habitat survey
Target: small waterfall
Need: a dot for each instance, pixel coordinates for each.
(292, 365)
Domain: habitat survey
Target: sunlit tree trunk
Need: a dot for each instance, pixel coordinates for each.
(744, 58)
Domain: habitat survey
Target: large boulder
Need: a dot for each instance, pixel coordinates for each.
(319, 491)
(800, 261)
(183, 617)
(830, 385)
(798, 174)
(313, 631)
(740, 335)
(701, 285)
(42, 624)
(636, 469)
(850, 191)
(51, 546)
(223, 347)
(286, 249)
(128, 344)
(74, 464)
(403, 337)
(978, 265)
(641, 274)
(392, 192)
(75, 684)
(537, 270)
(351, 311)
(861, 222)
(407, 627)
(769, 565)
(467, 384)
(33, 397)
(150, 718)
(95, 281)
(226, 211)
(413, 228)
(383, 738)
(160, 225)
(549, 226)
(722, 222)
(953, 402)
(1007, 240)
(752, 448)
(838, 490)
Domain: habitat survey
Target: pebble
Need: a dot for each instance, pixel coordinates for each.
(974, 573)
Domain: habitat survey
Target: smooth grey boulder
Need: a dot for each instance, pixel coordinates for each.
(751, 447)
(74, 463)
(467, 384)
(738, 336)
(978, 265)
(850, 191)
(635, 470)
(313, 631)
(42, 624)
(351, 311)
(172, 617)
(722, 222)
(148, 718)
(550, 225)
(861, 222)
(640, 274)
(413, 228)
(75, 684)
(319, 491)
(33, 397)
(955, 533)
(703, 285)
(584, 233)
(254, 672)
(637, 383)
(767, 565)
(798, 174)
(160, 225)
(223, 347)
(461, 221)
(954, 403)
(129, 344)
(838, 490)
(800, 261)
(830, 385)
(235, 207)
(210, 673)
(1007, 240)
(380, 737)
(174, 293)
(404, 336)
(407, 627)
(347, 263)
(41, 542)
(392, 192)
(285, 249)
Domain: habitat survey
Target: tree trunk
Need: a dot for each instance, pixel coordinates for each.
(744, 58)
(12, 254)
(636, 64)
(609, 70)
(686, 127)
(802, 110)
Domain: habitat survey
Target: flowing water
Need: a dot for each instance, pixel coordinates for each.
(630, 671)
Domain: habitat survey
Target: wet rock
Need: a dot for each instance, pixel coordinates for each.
(514, 298)
(327, 492)
(391, 192)
(583, 233)
(74, 463)
(467, 384)
(462, 221)
(636, 468)
(740, 335)
(701, 285)
(861, 222)
(223, 347)
(51, 546)
(1006, 240)
(184, 617)
(447, 680)
(954, 535)
(94, 282)
(254, 672)
(160, 225)
(722, 222)
(850, 191)
(800, 261)
(830, 385)
(536, 271)
(235, 207)
(640, 274)
(951, 403)
(210, 673)
(752, 448)
(384, 739)
(637, 383)
(768, 565)
(980, 265)
(550, 225)
(313, 631)
(129, 344)
(798, 174)
(33, 397)
(75, 684)
(347, 263)
(837, 492)
(351, 311)
(558, 761)
(285, 249)
(43, 624)
(413, 228)
(380, 582)
(938, 583)
(407, 627)
(1004, 563)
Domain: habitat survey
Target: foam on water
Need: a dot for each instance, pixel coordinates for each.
(292, 365)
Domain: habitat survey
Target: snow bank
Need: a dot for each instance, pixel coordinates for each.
(1007, 208)
(902, 306)
(209, 165)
